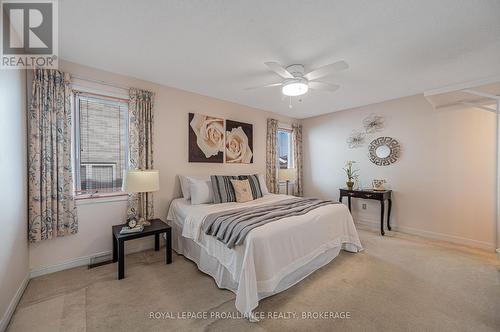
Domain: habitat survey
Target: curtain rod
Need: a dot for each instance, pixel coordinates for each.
(83, 78)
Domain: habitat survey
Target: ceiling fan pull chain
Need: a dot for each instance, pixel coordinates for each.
(290, 104)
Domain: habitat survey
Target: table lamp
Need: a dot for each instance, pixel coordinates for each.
(142, 181)
(287, 175)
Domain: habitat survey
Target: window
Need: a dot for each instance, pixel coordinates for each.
(101, 132)
(285, 152)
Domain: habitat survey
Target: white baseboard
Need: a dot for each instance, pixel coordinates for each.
(86, 260)
(80, 261)
(431, 235)
(13, 303)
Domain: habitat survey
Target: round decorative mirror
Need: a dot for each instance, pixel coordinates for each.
(384, 151)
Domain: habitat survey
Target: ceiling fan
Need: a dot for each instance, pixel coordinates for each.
(296, 83)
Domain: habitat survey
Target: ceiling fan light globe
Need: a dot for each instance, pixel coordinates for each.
(294, 89)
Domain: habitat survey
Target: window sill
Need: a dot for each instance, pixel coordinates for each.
(100, 198)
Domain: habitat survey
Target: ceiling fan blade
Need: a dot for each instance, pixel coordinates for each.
(326, 70)
(278, 69)
(264, 86)
(323, 86)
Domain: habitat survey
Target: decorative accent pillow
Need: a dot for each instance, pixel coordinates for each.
(201, 192)
(242, 190)
(223, 188)
(263, 185)
(254, 184)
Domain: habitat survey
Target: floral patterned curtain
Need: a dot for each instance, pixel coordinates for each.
(141, 146)
(272, 156)
(297, 158)
(51, 208)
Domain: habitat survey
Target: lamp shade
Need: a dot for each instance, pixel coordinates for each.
(138, 181)
(287, 174)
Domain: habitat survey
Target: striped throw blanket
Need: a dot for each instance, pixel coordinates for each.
(231, 227)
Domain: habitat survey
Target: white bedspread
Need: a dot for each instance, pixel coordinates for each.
(272, 251)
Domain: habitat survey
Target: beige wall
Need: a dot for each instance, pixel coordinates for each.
(444, 183)
(13, 234)
(170, 139)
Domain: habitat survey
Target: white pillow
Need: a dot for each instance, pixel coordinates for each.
(263, 186)
(186, 182)
(201, 192)
(184, 186)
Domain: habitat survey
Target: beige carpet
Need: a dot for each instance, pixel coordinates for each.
(399, 283)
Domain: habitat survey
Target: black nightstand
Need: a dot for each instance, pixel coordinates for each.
(156, 228)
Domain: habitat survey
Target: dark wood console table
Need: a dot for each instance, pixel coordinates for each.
(381, 196)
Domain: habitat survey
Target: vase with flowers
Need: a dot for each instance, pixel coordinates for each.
(351, 173)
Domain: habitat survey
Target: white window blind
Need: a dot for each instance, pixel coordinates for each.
(101, 134)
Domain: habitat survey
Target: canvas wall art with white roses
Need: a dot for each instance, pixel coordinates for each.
(215, 140)
(206, 139)
(239, 142)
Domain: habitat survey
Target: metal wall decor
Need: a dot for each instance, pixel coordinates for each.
(356, 139)
(384, 151)
(373, 123)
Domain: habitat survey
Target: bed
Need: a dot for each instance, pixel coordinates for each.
(273, 257)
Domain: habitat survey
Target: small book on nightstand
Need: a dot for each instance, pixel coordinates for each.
(127, 230)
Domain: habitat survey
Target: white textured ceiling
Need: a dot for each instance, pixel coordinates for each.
(217, 48)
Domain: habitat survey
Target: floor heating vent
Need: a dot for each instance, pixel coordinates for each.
(99, 261)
